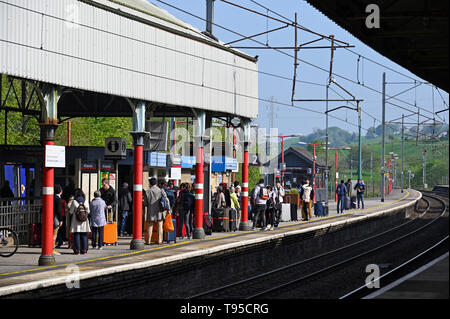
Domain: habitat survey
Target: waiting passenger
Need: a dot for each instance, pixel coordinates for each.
(80, 228)
(341, 192)
(125, 204)
(98, 221)
(235, 205)
(154, 212)
(360, 189)
(260, 197)
(307, 195)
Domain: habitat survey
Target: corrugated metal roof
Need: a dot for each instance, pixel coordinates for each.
(149, 8)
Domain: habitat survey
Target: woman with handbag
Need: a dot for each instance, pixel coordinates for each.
(155, 212)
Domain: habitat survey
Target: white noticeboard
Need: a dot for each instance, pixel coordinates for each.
(175, 173)
(55, 156)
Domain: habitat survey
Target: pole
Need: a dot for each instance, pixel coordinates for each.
(244, 224)
(326, 139)
(314, 173)
(424, 180)
(199, 131)
(371, 175)
(383, 119)
(336, 176)
(359, 145)
(403, 150)
(282, 161)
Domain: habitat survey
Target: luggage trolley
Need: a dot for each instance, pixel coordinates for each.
(110, 229)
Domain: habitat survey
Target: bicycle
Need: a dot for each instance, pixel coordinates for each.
(9, 242)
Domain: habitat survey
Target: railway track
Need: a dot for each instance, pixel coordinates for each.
(321, 276)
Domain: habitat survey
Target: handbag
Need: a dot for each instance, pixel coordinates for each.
(55, 222)
(168, 224)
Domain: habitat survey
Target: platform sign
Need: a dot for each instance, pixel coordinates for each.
(175, 173)
(55, 156)
(115, 148)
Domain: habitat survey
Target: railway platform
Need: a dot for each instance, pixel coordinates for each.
(20, 274)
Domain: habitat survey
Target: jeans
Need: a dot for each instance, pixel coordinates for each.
(80, 241)
(99, 231)
(260, 210)
(340, 203)
(360, 197)
(123, 221)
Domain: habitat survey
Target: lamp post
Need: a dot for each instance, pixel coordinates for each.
(314, 165)
(336, 164)
(282, 151)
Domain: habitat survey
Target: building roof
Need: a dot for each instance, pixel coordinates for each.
(413, 34)
(305, 154)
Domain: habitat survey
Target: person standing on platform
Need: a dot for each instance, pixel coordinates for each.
(279, 194)
(360, 189)
(98, 221)
(307, 194)
(188, 208)
(260, 197)
(79, 228)
(348, 186)
(341, 192)
(108, 194)
(57, 215)
(125, 204)
(235, 205)
(155, 214)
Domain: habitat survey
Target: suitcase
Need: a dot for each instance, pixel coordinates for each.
(110, 234)
(347, 203)
(233, 219)
(34, 235)
(221, 219)
(207, 223)
(325, 210)
(285, 212)
(353, 201)
(318, 209)
(294, 209)
(172, 236)
(154, 238)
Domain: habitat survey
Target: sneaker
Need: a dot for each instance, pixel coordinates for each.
(56, 253)
(100, 248)
(83, 252)
(271, 228)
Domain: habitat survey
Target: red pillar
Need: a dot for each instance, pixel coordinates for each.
(137, 242)
(314, 172)
(199, 233)
(244, 225)
(47, 257)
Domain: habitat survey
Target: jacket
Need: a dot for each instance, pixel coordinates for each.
(234, 201)
(97, 208)
(75, 225)
(57, 208)
(109, 196)
(125, 199)
(278, 194)
(307, 192)
(341, 190)
(151, 200)
(360, 188)
(257, 198)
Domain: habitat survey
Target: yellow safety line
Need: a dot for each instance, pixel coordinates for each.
(187, 242)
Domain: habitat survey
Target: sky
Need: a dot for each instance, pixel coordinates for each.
(306, 117)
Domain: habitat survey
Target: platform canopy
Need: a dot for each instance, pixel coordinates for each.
(413, 34)
(104, 52)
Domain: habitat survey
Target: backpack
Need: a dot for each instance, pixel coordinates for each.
(263, 193)
(81, 213)
(163, 203)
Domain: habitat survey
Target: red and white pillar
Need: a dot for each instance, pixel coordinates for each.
(48, 128)
(138, 140)
(199, 232)
(245, 224)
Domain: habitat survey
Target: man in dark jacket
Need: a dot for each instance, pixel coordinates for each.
(341, 192)
(108, 194)
(348, 186)
(360, 189)
(125, 205)
(57, 214)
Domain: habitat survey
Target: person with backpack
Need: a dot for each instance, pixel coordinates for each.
(360, 189)
(235, 205)
(79, 226)
(98, 221)
(270, 208)
(279, 193)
(260, 197)
(155, 213)
(341, 192)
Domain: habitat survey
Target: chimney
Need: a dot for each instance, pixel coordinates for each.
(210, 18)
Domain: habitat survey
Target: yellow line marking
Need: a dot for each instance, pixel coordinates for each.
(187, 242)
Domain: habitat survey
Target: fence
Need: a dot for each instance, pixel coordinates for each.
(18, 213)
